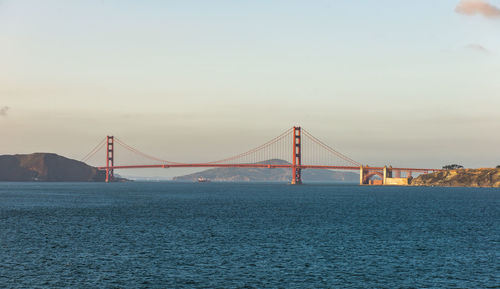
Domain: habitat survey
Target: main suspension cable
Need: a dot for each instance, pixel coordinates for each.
(274, 140)
(93, 151)
(330, 149)
(134, 150)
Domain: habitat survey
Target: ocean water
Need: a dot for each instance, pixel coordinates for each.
(209, 235)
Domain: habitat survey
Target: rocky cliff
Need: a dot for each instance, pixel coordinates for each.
(269, 175)
(46, 167)
(460, 178)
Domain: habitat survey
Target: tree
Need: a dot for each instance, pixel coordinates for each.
(453, 167)
(498, 167)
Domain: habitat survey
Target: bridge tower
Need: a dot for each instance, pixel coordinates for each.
(109, 158)
(297, 152)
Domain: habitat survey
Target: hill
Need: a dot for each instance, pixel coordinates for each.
(46, 167)
(269, 175)
(460, 178)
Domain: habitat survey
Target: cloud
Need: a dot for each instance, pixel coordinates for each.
(473, 7)
(3, 110)
(477, 47)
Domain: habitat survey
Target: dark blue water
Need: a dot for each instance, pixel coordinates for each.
(167, 235)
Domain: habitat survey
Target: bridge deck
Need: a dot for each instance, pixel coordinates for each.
(269, 166)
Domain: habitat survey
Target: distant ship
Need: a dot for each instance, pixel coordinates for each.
(203, 180)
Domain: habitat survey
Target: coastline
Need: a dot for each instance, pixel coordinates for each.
(472, 178)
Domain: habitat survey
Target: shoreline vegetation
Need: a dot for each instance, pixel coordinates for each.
(477, 178)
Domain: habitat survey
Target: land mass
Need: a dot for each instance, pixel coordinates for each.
(50, 167)
(460, 178)
(46, 167)
(269, 175)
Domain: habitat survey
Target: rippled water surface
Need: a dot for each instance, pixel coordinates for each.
(208, 235)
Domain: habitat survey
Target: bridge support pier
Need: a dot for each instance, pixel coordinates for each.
(387, 174)
(109, 158)
(366, 172)
(296, 163)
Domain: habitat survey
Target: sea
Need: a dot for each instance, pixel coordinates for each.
(247, 235)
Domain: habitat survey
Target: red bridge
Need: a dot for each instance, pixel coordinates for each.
(297, 146)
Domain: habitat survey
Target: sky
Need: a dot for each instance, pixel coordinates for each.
(406, 83)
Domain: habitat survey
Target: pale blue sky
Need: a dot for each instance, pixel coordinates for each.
(408, 83)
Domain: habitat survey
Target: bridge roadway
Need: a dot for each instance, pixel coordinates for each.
(268, 166)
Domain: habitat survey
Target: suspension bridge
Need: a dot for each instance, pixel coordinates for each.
(296, 145)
